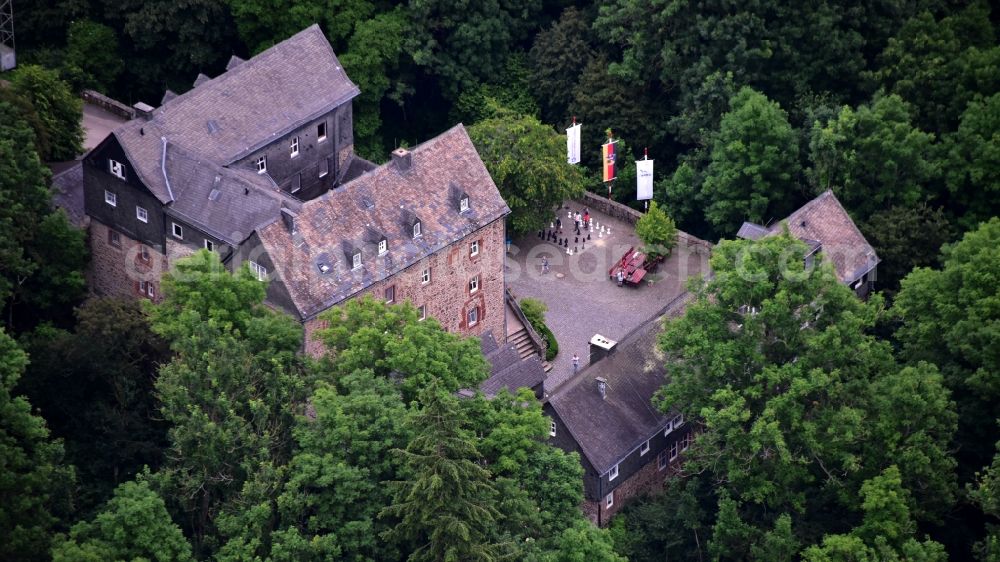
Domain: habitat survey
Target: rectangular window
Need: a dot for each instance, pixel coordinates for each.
(324, 167)
(110, 198)
(147, 288)
(613, 473)
(293, 147)
(474, 249)
(463, 205)
(209, 245)
(116, 168)
(609, 500)
(383, 247)
(321, 132)
(661, 460)
(141, 214)
(644, 448)
(474, 284)
(261, 163)
(686, 442)
(178, 231)
(258, 270)
(673, 450)
(296, 183)
(390, 293)
(356, 261)
(423, 312)
(425, 277)
(473, 316)
(552, 429)
(416, 230)
(144, 254)
(114, 239)
(678, 421)
(669, 428)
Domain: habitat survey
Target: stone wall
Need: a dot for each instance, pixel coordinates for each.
(647, 480)
(447, 296)
(118, 270)
(104, 102)
(611, 208)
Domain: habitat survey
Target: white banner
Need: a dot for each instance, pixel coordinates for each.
(644, 180)
(573, 144)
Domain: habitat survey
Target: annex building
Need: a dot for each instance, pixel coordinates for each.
(258, 165)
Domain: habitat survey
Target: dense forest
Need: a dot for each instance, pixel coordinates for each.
(830, 429)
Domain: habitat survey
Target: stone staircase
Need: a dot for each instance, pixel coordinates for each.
(522, 342)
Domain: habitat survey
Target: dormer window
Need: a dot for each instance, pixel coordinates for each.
(261, 163)
(293, 147)
(463, 204)
(383, 246)
(116, 168)
(356, 260)
(416, 229)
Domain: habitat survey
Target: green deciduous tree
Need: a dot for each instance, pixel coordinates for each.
(93, 48)
(263, 23)
(657, 231)
(972, 165)
(133, 525)
(873, 157)
(799, 404)
(905, 238)
(32, 478)
(59, 110)
(753, 167)
(557, 56)
(445, 506)
(527, 160)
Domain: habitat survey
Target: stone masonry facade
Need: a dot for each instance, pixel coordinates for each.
(451, 271)
(123, 267)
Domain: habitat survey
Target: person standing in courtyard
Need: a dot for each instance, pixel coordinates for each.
(545, 264)
(576, 363)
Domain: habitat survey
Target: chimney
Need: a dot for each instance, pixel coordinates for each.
(401, 159)
(602, 387)
(288, 216)
(143, 110)
(601, 347)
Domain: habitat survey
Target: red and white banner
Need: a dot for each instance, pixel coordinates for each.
(644, 180)
(573, 144)
(608, 159)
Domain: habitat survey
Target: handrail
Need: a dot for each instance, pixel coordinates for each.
(536, 340)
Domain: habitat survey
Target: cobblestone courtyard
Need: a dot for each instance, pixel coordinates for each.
(581, 299)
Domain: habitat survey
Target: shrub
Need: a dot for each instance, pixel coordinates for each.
(534, 310)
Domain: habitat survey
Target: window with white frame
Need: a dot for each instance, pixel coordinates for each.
(383, 246)
(473, 316)
(110, 198)
(321, 132)
(474, 248)
(678, 421)
(116, 168)
(356, 260)
(686, 442)
(258, 270)
(144, 254)
(644, 448)
(474, 284)
(261, 164)
(146, 288)
(293, 147)
(463, 205)
(324, 167)
(141, 214)
(416, 229)
(673, 450)
(425, 276)
(609, 500)
(114, 238)
(423, 312)
(668, 428)
(552, 428)
(661, 460)
(390, 293)
(209, 245)
(613, 473)
(178, 231)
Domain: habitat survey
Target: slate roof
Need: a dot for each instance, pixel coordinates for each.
(250, 104)
(228, 204)
(382, 202)
(824, 225)
(507, 368)
(608, 429)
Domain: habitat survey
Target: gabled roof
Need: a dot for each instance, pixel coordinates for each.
(608, 429)
(228, 204)
(823, 224)
(227, 117)
(507, 369)
(386, 200)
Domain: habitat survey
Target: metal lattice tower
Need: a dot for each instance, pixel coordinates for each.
(7, 58)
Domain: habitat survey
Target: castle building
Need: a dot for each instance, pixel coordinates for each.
(258, 165)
